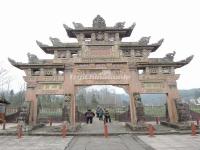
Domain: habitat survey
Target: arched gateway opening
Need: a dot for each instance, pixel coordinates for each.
(100, 57)
(106, 97)
(155, 106)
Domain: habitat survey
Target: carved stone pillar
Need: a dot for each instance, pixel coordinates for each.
(160, 70)
(67, 108)
(80, 37)
(133, 109)
(172, 70)
(117, 37)
(69, 90)
(28, 72)
(42, 71)
(68, 54)
(172, 111)
(54, 71)
(147, 70)
(106, 37)
(134, 87)
(55, 54)
(31, 96)
(93, 37)
(132, 53)
(139, 108)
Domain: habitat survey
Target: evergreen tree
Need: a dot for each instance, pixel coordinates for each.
(94, 101)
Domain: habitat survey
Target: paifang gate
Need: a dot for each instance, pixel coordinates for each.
(101, 58)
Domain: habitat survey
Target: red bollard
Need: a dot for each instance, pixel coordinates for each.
(4, 124)
(19, 131)
(50, 122)
(198, 121)
(157, 120)
(105, 130)
(193, 127)
(151, 130)
(64, 130)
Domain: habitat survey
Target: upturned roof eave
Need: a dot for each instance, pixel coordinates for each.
(171, 64)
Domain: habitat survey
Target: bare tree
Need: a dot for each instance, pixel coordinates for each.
(5, 80)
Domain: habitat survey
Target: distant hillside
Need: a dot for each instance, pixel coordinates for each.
(159, 99)
(186, 95)
(106, 96)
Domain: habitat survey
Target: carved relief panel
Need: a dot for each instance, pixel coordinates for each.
(100, 51)
(49, 88)
(166, 70)
(153, 86)
(153, 70)
(138, 53)
(61, 54)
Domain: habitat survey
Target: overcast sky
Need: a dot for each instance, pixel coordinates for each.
(177, 21)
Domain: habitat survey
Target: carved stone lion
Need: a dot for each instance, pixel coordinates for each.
(119, 25)
(32, 58)
(170, 56)
(55, 41)
(78, 25)
(144, 40)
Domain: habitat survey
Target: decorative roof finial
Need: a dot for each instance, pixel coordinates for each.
(99, 22)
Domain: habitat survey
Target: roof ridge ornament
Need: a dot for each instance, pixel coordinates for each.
(78, 25)
(66, 27)
(144, 40)
(170, 56)
(120, 25)
(99, 22)
(132, 26)
(40, 44)
(55, 41)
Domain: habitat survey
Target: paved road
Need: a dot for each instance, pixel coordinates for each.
(98, 127)
(122, 142)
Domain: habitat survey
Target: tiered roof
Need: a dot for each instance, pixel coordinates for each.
(99, 26)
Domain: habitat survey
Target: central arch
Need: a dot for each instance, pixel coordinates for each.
(112, 98)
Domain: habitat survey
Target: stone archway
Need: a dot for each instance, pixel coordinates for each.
(101, 57)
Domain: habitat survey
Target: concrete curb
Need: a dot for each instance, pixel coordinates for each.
(96, 134)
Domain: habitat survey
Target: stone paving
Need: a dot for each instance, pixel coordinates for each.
(89, 141)
(33, 143)
(173, 142)
(122, 142)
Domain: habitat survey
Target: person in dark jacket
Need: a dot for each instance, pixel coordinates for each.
(107, 117)
(89, 116)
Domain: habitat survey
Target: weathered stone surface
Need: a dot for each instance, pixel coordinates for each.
(183, 111)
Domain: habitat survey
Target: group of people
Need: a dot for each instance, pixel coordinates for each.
(101, 113)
